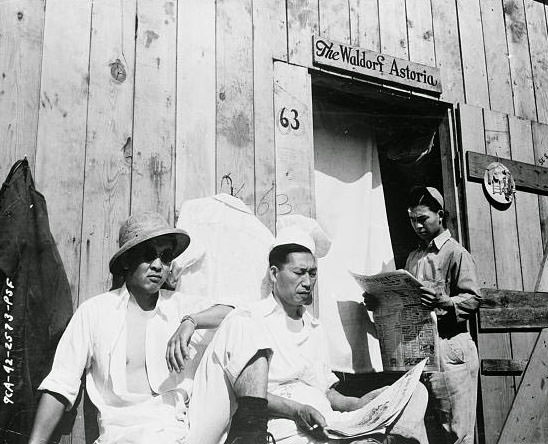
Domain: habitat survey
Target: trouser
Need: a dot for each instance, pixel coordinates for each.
(453, 390)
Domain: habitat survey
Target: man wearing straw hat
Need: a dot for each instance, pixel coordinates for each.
(118, 340)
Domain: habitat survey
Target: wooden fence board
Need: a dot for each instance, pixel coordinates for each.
(264, 49)
(61, 138)
(21, 36)
(108, 142)
(334, 19)
(364, 24)
(531, 399)
(447, 49)
(517, 310)
(538, 43)
(529, 233)
(506, 247)
(235, 138)
(540, 145)
(293, 141)
(527, 176)
(302, 23)
(472, 53)
(496, 57)
(480, 239)
(195, 139)
(503, 366)
(520, 59)
(393, 29)
(153, 179)
(420, 32)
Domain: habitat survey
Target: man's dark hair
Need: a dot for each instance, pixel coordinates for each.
(278, 255)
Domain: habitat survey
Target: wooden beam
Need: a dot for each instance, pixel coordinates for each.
(509, 309)
(528, 177)
(498, 367)
(531, 399)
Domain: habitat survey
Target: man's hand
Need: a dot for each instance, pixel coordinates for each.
(310, 421)
(432, 298)
(177, 347)
(370, 301)
(173, 276)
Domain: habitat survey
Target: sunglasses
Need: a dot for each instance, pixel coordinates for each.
(148, 253)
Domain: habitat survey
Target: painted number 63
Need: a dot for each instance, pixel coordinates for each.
(290, 122)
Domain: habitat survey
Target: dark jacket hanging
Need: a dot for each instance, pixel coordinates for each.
(35, 302)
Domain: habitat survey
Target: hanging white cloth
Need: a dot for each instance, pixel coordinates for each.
(350, 207)
(227, 259)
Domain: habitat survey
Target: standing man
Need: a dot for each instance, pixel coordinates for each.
(301, 396)
(450, 289)
(118, 340)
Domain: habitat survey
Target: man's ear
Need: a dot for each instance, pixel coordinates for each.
(441, 214)
(273, 273)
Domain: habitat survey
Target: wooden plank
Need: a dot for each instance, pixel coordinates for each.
(496, 57)
(264, 16)
(21, 35)
(302, 23)
(531, 399)
(529, 233)
(511, 309)
(235, 137)
(538, 43)
(473, 53)
(108, 142)
(540, 146)
(293, 140)
(503, 366)
(195, 139)
(447, 49)
(496, 391)
(447, 153)
(527, 176)
(393, 29)
(335, 19)
(152, 184)
(520, 59)
(61, 139)
(420, 32)
(62, 127)
(364, 24)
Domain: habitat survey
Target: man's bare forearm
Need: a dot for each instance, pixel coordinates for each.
(211, 317)
(341, 403)
(49, 412)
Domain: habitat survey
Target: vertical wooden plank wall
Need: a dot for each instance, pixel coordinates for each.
(21, 36)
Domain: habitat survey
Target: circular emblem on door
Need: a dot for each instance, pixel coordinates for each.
(499, 183)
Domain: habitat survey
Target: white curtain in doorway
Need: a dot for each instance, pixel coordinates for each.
(350, 207)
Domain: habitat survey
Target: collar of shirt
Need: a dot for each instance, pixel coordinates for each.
(269, 306)
(438, 241)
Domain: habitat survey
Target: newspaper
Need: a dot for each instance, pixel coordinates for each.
(406, 329)
(380, 412)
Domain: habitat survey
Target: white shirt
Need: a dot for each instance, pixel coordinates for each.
(299, 368)
(95, 342)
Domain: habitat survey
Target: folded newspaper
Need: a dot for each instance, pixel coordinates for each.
(407, 330)
(380, 413)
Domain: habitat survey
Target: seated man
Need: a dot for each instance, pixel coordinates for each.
(301, 394)
(118, 339)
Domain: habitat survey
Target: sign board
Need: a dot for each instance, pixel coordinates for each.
(361, 61)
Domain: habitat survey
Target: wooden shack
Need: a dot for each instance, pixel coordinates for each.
(129, 105)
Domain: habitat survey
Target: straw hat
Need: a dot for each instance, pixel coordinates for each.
(139, 228)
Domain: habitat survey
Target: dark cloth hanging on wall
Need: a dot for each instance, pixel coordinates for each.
(35, 305)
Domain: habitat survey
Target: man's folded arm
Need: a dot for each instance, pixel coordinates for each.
(177, 350)
(50, 410)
